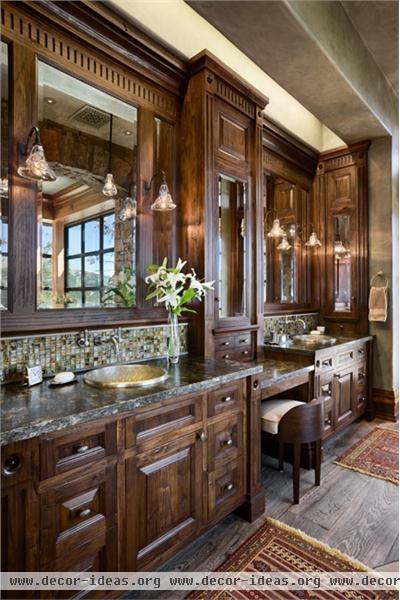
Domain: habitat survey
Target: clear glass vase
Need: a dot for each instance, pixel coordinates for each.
(173, 343)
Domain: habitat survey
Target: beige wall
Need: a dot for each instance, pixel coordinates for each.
(181, 28)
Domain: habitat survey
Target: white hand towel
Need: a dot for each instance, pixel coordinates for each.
(378, 304)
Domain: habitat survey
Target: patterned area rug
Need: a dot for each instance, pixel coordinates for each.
(377, 455)
(278, 547)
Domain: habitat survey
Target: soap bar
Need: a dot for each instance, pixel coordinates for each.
(315, 332)
(64, 377)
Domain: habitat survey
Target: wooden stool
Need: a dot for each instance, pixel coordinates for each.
(296, 423)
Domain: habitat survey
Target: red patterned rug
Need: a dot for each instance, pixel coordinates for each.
(377, 455)
(278, 547)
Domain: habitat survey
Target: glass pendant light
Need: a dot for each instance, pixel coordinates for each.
(284, 245)
(313, 241)
(338, 247)
(276, 230)
(110, 189)
(128, 210)
(4, 187)
(35, 165)
(164, 201)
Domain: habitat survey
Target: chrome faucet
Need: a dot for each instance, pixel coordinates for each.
(83, 339)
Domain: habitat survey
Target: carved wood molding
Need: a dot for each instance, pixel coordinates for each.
(230, 95)
(279, 166)
(65, 51)
(356, 154)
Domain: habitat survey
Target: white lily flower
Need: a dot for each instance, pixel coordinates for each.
(180, 264)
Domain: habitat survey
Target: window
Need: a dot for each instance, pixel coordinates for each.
(89, 260)
(47, 265)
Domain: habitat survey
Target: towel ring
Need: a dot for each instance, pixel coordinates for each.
(379, 274)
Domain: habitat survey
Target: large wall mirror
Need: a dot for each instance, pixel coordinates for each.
(232, 248)
(281, 240)
(4, 187)
(86, 230)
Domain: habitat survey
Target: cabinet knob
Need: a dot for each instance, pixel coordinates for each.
(227, 399)
(225, 343)
(245, 352)
(229, 487)
(228, 442)
(82, 449)
(203, 436)
(85, 513)
(225, 356)
(255, 384)
(12, 464)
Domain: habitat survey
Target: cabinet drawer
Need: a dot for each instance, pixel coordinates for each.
(224, 399)
(66, 450)
(323, 363)
(76, 512)
(228, 354)
(225, 488)
(244, 353)
(345, 358)
(243, 339)
(225, 440)
(226, 342)
(167, 420)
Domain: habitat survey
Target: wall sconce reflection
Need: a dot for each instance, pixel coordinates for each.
(164, 201)
(128, 210)
(313, 241)
(35, 165)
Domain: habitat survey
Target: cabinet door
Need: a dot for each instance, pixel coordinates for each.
(344, 396)
(324, 388)
(78, 522)
(164, 500)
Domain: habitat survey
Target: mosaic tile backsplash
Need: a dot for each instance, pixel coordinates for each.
(60, 352)
(290, 324)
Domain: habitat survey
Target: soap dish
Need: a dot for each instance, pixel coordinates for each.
(53, 383)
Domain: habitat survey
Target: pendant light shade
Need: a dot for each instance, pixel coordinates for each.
(284, 245)
(276, 230)
(313, 241)
(164, 201)
(339, 248)
(4, 187)
(110, 189)
(128, 210)
(35, 166)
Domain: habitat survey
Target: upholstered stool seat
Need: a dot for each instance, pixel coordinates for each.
(272, 412)
(295, 423)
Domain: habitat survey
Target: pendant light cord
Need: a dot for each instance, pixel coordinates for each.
(110, 143)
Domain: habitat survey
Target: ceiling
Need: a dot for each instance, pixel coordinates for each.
(269, 34)
(378, 25)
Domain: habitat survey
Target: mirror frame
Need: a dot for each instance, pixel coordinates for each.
(84, 61)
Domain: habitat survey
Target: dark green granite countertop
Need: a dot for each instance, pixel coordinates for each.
(280, 371)
(293, 347)
(29, 412)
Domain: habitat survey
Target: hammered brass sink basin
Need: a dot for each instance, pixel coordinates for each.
(122, 376)
(317, 340)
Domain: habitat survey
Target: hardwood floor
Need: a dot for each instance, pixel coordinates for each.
(352, 512)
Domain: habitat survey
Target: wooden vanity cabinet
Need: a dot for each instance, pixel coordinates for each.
(127, 492)
(342, 377)
(341, 209)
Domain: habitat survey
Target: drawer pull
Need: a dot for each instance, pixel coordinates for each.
(361, 352)
(225, 356)
(225, 344)
(255, 385)
(85, 513)
(82, 449)
(203, 436)
(228, 442)
(229, 487)
(245, 352)
(12, 464)
(327, 363)
(227, 399)
(244, 341)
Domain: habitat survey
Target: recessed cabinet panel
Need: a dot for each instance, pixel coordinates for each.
(232, 138)
(232, 248)
(4, 181)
